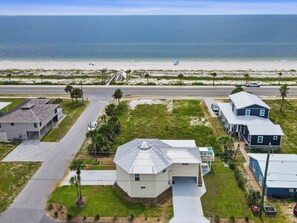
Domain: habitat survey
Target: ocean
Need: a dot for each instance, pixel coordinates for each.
(242, 37)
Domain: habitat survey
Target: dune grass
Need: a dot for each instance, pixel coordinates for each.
(72, 111)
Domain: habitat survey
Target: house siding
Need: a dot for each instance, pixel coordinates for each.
(266, 140)
(256, 171)
(281, 192)
(255, 111)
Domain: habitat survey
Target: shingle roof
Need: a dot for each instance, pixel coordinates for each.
(151, 156)
(255, 124)
(34, 111)
(244, 99)
(281, 169)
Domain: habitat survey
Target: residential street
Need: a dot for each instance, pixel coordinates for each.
(29, 206)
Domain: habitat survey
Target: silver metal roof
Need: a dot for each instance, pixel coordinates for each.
(151, 156)
(244, 99)
(281, 169)
(255, 124)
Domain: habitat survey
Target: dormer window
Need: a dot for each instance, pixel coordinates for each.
(247, 112)
(262, 112)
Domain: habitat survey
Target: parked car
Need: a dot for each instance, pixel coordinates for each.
(295, 210)
(252, 84)
(215, 108)
(270, 211)
(92, 126)
(255, 210)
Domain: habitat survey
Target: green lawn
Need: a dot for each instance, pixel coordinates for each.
(13, 177)
(14, 102)
(5, 148)
(105, 201)
(288, 121)
(155, 121)
(72, 110)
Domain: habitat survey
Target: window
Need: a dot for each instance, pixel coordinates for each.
(35, 125)
(137, 177)
(12, 124)
(185, 164)
(262, 112)
(260, 139)
(247, 112)
(275, 137)
(254, 167)
(249, 138)
(164, 171)
(40, 124)
(243, 130)
(142, 187)
(291, 190)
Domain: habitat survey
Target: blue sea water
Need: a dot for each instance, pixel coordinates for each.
(239, 37)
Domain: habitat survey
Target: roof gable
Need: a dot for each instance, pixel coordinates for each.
(244, 99)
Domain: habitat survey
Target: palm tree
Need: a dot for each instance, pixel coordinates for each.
(147, 76)
(128, 72)
(118, 95)
(227, 141)
(92, 135)
(104, 118)
(74, 182)
(246, 76)
(69, 89)
(76, 93)
(214, 74)
(279, 77)
(283, 92)
(104, 74)
(9, 78)
(77, 166)
(110, 110)
(180, 76)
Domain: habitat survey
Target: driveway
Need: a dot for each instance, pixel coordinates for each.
(31, 151)
(29, 205)
(186, 201)
(93, 177)
(208, 102)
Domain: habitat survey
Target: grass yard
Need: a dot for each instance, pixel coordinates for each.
(5, 148)
(105, 201)
(14, 176)
(14, 102)
(185, 121)
(72, 110)
(288, 121)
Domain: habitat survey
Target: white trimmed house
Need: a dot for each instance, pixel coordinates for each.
(145, 168)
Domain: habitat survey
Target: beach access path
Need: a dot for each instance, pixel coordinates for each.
(29, 206)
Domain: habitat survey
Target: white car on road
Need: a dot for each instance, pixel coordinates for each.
(92, 126)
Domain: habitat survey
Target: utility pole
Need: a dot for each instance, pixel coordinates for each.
(82, 93)
(264, 181)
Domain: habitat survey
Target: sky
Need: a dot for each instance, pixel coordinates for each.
(146, 7)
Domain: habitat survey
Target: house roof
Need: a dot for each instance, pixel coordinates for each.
(34, 111)
(281, 169)
(243, 99)
(255, 124)
(151, 156)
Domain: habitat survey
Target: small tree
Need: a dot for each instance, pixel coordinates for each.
(246, 76)
(74, 182)
(68, 89)
(214, 75)
(9, 78)
(236, 90)
(93, 136)
(283, 92)
(180, 76)
(77, 93)
(103, 118)
(147, 76)
(77, 166)
(118, 95)
(227, 141)
(279, 77)
(111, 110)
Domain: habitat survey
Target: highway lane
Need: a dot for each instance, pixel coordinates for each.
(106, 91)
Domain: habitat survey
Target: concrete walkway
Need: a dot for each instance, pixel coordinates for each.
(31, 151)
(209, 102)
(29, 205)
(93, 177)
(186, 201)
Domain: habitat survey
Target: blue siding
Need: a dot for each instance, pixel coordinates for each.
(257, 172)
(255, 111)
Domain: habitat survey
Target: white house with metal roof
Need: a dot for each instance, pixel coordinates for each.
(247, 116)
(146, 168)
(282, 173)
(33, 119)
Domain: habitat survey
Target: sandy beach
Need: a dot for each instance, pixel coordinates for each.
(150, 65)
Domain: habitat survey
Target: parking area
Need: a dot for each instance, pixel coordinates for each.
(31, 151)
(93, 177)
(209, 102)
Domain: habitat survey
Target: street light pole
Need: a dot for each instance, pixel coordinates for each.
(82, 93)
(264, 181)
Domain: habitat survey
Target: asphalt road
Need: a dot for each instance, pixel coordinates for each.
(107, 91)
(29, 206)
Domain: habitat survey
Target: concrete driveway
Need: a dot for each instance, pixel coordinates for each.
(93, 177)
(186, 201)
(209, 102)
(31, 151)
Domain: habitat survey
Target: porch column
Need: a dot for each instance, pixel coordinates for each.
(39, 134)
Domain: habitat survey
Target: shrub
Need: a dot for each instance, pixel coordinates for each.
(60, 207)
(49, 207)
(217, 219)
(246, 219)
(232, 219)
(85, 218)
(232, 166)
(69, 216)
(97, 217)
(56, 214)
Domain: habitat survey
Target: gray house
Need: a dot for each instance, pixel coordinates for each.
(32, 120)
(247, 117)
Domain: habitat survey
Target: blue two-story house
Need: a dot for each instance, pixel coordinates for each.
(281, 175)
(247, 117)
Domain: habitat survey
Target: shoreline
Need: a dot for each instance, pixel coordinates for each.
(207, 65)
